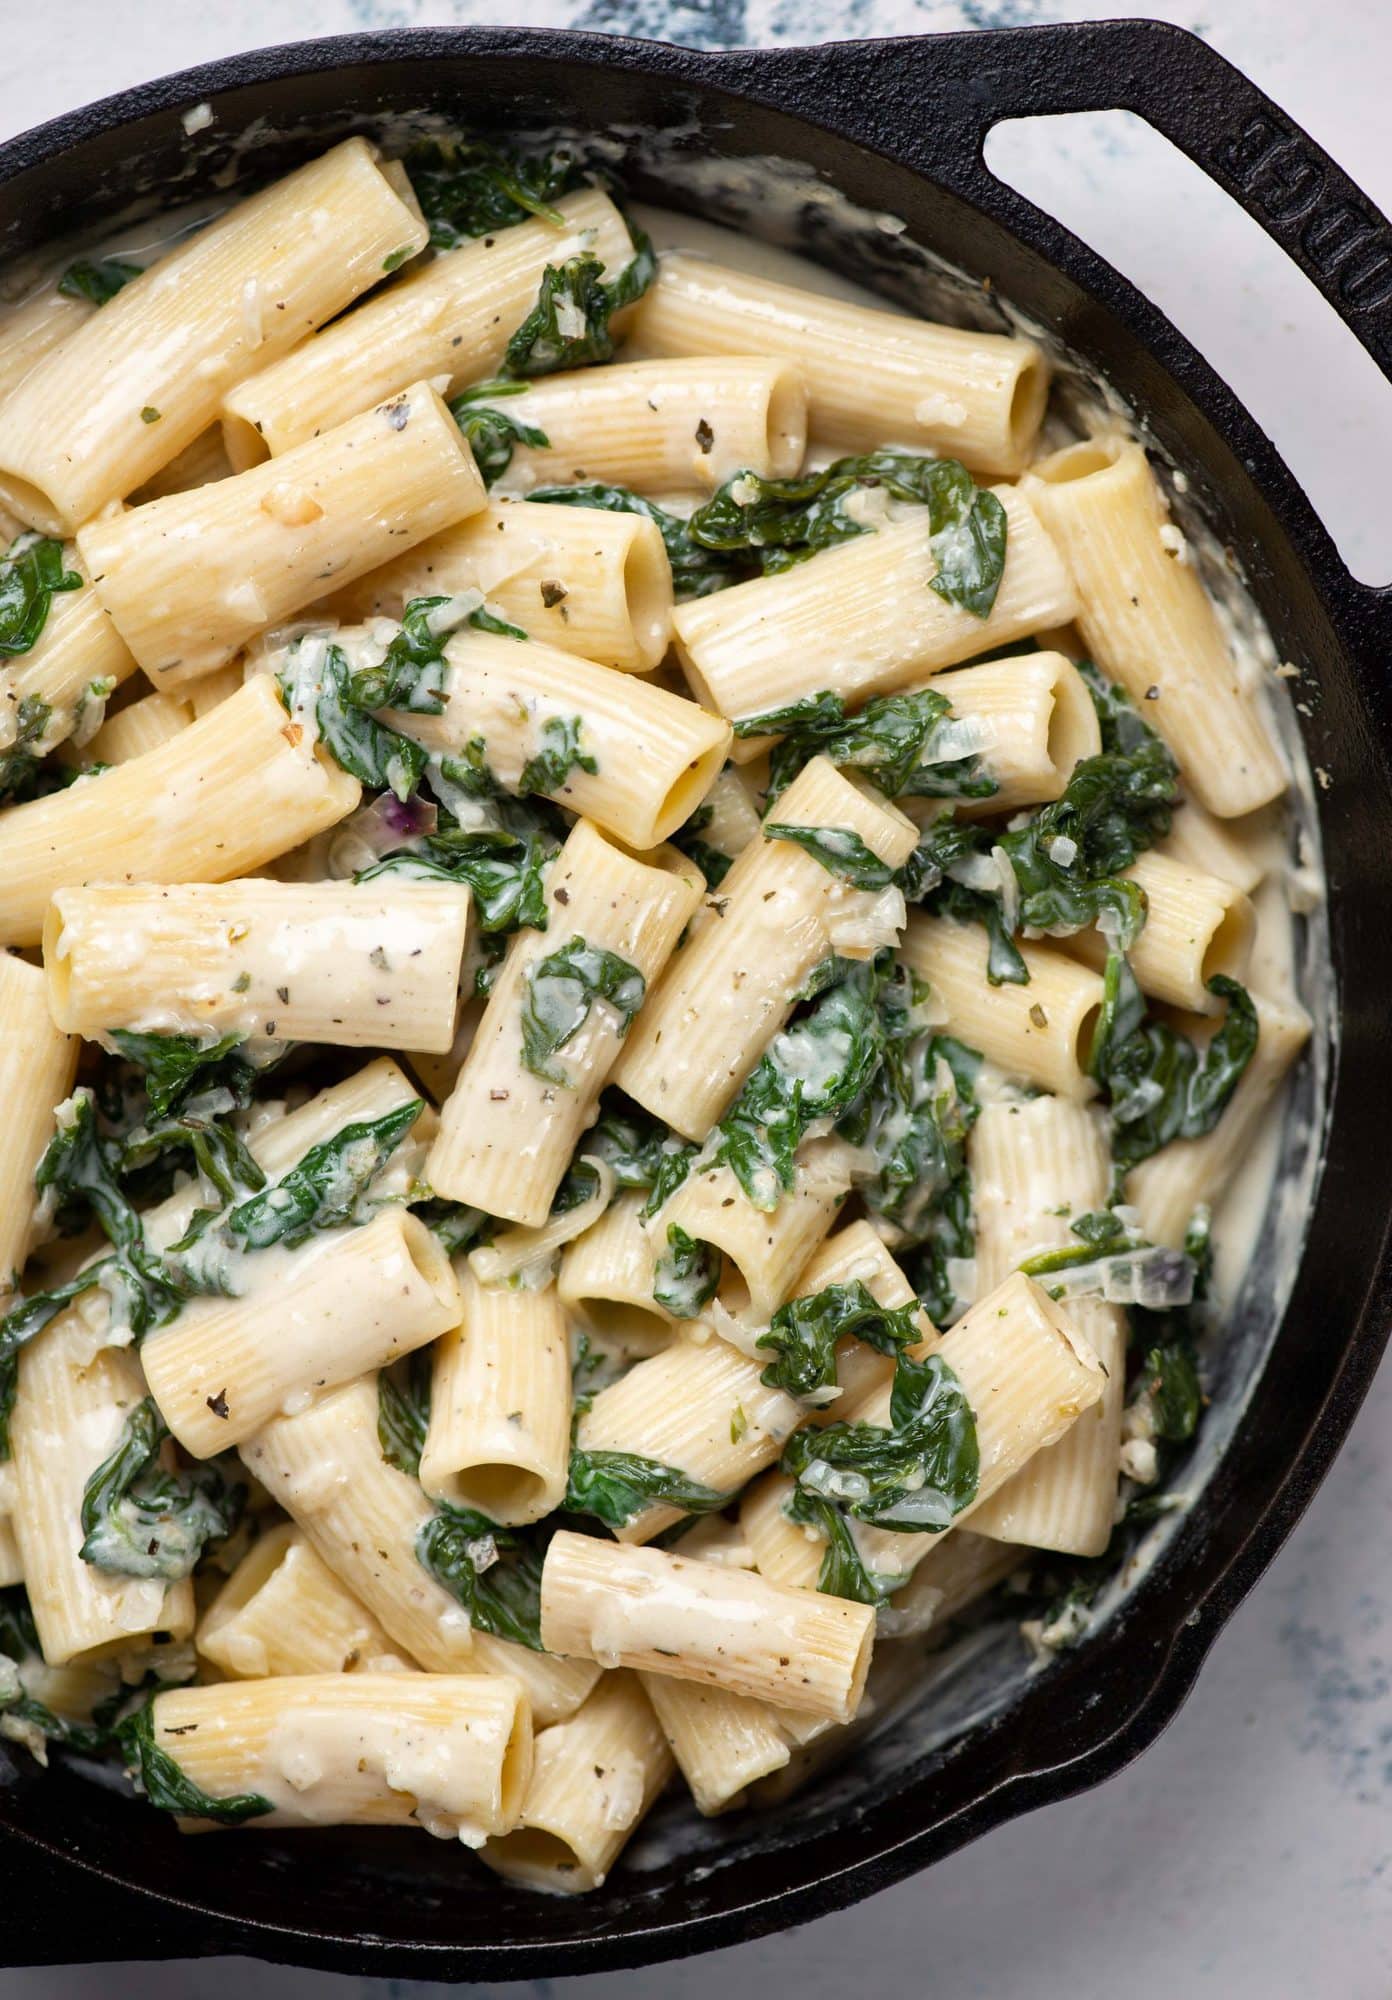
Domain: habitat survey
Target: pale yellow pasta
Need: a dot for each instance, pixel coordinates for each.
(329, 962)
(146, 724)
(37, 1067)
(30, 331)
(449, 1753)
(580, 579)
(71, 1408)
(283, 1611)
(507, 1132)
(657, 425)
(654, 754)
(141, 379)
(1041, 1032)
(593, 1779)
(699, 1407)
(1035, 1168)
(198, 464)
(705, 1622)
(957, 1570)
(1197, 927)
(842, 620)
(779, 914)
(499, 1434)
(453, 319)
(189, 579)
(766, 1247)
(555, 1687)
(228, 794)
(872, 375)
(722, 1742)
(1169, 1186)
(607, 1275)
(1202, 841)
(350, 1300)
(1148, 623)
(210, 691)
(1034, 721)
(55, 693)
(361, 1517)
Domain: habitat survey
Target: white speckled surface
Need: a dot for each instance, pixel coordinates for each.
(1247, 1853)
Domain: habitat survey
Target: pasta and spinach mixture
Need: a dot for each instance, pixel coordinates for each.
(631, 968)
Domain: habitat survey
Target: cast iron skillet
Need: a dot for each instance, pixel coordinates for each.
(896, 125)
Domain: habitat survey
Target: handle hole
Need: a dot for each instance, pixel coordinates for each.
(1139, 202)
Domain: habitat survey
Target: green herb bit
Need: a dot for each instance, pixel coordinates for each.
(562, 990)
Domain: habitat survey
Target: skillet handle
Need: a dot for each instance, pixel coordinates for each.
(932, 99)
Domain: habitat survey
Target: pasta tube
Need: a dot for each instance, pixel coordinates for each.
(871, 374)
(35, 328)
(1035, 1168)
(706, 1622)
(840, 620)
(37, 1067)
(594, 1778)
(147, 724)
(499, 1435)
(453, 318)
(283, 1611)
(525, 1096)
(450, 1753)
(1148, 623)
(1035, 719)
(352, 1300)
(624, 752)
(361, 1517)
(579, 579)
(722, 1742)
(56, 690)
(607, 1277)
(226, 795)
(766, 1248)
(68, 1418)
(660, 426)
(1197, 926)
(1169, 1186)
(699, 1407)
(324, 962)
(141, 379)
(1042, 1032)
(780, 913)
(189, 579)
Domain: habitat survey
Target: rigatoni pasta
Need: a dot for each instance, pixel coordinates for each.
(825, 1051)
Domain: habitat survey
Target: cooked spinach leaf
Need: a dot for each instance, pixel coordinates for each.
(412, 673)
(175, 1066)
(804, 1334)
(907, 745)
(403, 1411)
(815, 1068)
(97, 279)
(167, 1785)
(783, 521)
(686, 1274)
(558, 753)
(569, 326)
(562, 989)
(713, 864)
(617, 1486)
(493, 434)
(468, 188)
(20, 762)
(1160, 1084)
(317, 680)
(839, 849)
(504, 864)
(913, 1476)
(494, 1572)
(31, 576)
(322, 1190)
(138, 1519)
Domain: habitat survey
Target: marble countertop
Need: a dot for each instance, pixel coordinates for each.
(1246, 1855)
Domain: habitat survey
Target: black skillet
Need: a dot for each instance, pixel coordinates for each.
(898, 126)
